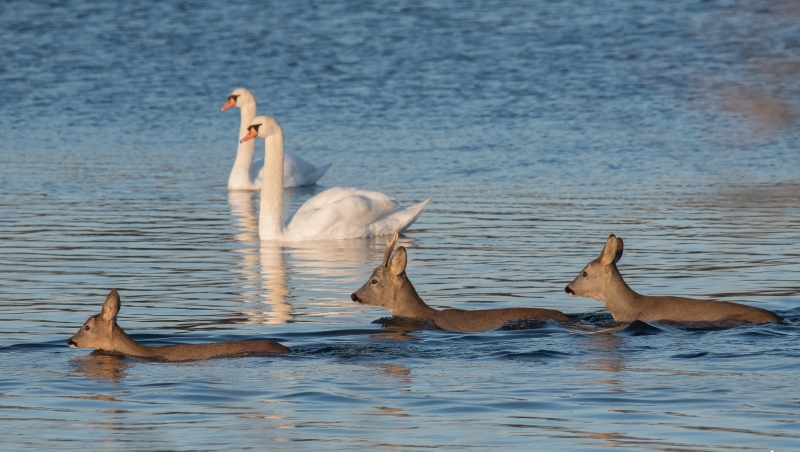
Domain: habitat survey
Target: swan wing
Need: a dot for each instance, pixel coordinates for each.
(298, 172)
(371, 203)
(257, 173)
(398, 220)
(341, 212)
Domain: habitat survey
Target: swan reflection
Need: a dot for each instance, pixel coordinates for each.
(315, 265)
(263, 268)
(274, 288)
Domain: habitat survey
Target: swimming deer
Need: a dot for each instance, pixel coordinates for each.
(102, 332)
(601, 280)
(389, 287)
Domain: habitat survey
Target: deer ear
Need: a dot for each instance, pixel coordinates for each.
(111, 306)
(398, 263)
(612, 252)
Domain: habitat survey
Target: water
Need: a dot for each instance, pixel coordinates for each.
(537, 129)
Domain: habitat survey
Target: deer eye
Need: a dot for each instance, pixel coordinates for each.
(374, 281)
(585, 274)
(86, 327)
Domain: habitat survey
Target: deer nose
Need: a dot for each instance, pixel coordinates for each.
(569, 291)
(355, 298)
(70, 342)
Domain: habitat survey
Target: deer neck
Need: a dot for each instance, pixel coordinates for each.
(270, 221)
(623, 302)
(240, 174)
(409, 304)
(122, 343)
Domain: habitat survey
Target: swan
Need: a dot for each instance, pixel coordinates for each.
(247, 174)
(336, 213)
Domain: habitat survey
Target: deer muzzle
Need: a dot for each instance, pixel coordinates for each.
(569, 291)
(355, 298)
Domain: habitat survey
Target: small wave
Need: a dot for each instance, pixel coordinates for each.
(790, 315)
(370, 350)
(535, 354)
(524, 324)
(639, 328)
(600, 319)
(54, 344)
(690, 355)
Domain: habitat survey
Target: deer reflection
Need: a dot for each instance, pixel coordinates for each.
(101, 365)
(400, 372)
(604, 347)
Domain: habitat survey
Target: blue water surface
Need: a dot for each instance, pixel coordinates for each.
(537, 127)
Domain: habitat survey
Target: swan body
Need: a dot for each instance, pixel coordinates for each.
(248, 174)
(336, 213)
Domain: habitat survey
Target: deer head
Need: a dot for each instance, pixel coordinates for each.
(600, 276)
(97, 331)
(389, 287)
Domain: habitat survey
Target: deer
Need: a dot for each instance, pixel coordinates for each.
(389, 287)
(601, 280)
(101, 332)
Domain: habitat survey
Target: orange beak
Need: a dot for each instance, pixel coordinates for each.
(230, 103)
(251, 133)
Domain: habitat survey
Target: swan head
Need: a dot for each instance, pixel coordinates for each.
(262, 127)
(240, 97)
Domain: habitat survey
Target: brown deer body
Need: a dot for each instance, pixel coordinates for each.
(389, 287)
(101, 332)
(601, 280)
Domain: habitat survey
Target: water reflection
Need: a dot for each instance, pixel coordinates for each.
(274, 290)
(401, 376)
(101, 365)
(400, 327)
(263, 267)
(242, 209)
(604, 347)
(400, 372)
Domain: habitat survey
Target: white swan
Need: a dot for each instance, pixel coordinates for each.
(336, 213)
(247, 174)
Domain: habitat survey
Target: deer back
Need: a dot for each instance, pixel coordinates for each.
(486, 319)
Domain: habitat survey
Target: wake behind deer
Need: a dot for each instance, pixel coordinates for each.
(390, 288)
(601, 280)
(101, 332)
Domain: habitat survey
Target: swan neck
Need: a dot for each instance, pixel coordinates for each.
(270, 221)
(240, 174)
